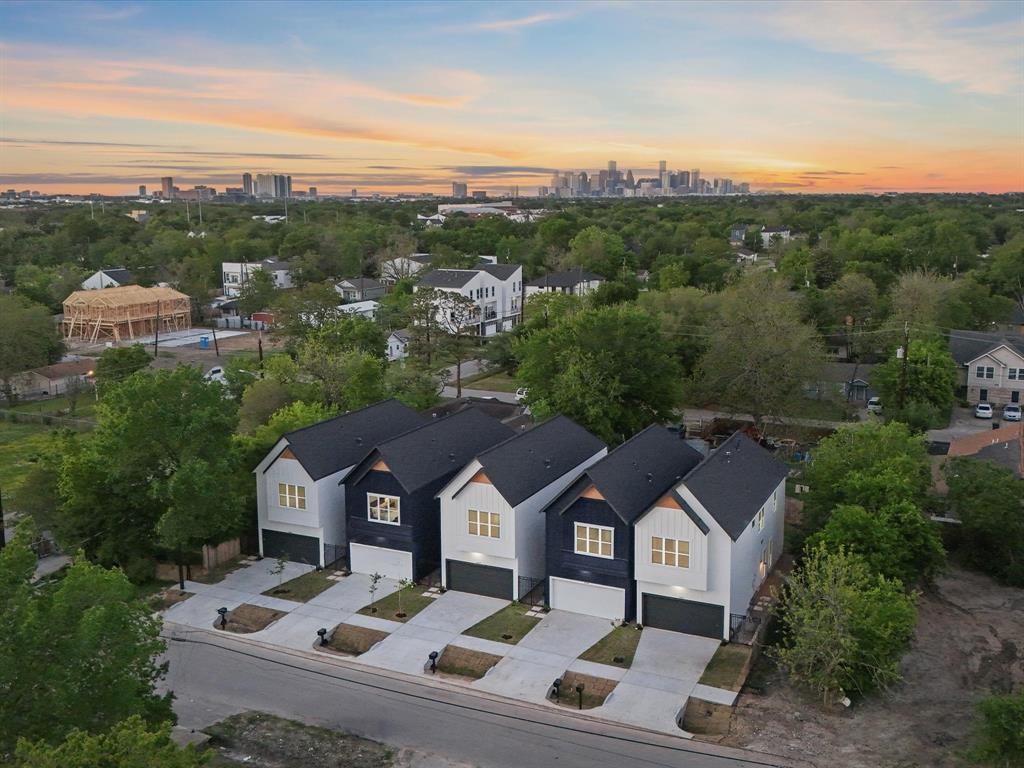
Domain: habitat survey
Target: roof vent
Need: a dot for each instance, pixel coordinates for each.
(359, 441)
(650, 477)
(547, 462)
(451, 456)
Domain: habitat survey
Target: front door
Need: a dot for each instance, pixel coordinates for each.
(1015, 396)
(983, 395)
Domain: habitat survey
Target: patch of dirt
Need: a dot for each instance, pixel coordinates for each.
(264, 741)
(463, 662)
(351, 640)
(246, 619)
(595, 690)
(161, 601)
(969, 644)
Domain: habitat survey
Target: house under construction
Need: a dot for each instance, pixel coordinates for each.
(125, 313)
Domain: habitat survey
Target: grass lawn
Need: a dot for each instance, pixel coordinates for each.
(20, 445)
(620, 643)
(725, 667)
(85, 408)
(491, 382)
(509, 625)
(303, 588)
(412, 602)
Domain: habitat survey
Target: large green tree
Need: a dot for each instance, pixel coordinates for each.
(926, 376)
(258, 293)
(598, 250)
(76, 652)
(607, 368)
(28, 339)
(118, 363)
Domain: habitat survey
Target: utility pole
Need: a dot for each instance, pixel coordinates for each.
(156, 336)
(188, 214)
(200, 201)
(259, 347)
(905, 353)
(216, 347)
(3, 533)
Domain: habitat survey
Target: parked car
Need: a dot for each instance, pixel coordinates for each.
(215, 374)
(983, 411)
(1011, 412)
(521, 394)
(875, 405)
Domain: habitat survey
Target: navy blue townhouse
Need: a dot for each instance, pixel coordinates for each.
(590, 533)
(393, 515)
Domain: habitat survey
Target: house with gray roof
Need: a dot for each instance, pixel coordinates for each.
(300, 504)
(359, 289)
(108, 278)
(991, 365)
(492, 512)
(659, 533)
(496, 289)
(576, 282)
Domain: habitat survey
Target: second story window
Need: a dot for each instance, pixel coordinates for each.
(292, 496)
(673, 552)
(382, 509)
(985, 372)
(760, 519)
(595, 540)
(484, 523)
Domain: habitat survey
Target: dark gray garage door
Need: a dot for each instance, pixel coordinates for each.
(296, 548)
(480, 579)
(686, 616)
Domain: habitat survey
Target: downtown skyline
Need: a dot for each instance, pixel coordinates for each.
(103, 97)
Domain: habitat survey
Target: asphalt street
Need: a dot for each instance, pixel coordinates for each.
(214, 676)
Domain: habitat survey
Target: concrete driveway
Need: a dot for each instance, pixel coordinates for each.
(963, 423)
(408, 647)
(547, 651)
(666, 667)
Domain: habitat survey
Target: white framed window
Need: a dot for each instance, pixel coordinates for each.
(985, 372)
(382, 509)
(486, 524)
(1012, 373)
(760, 519)
(671, 552)
(595, 540)
(292, 496)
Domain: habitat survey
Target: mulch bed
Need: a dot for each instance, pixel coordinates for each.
(595, 690)
(462, 662)
(351, 640)
(246, 619)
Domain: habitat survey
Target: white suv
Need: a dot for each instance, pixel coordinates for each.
(983, 411)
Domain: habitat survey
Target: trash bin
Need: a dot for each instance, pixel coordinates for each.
(204, 342)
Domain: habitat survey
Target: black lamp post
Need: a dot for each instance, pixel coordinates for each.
(433, 662)
(322, 632)
(223, 617)
(579, 690)
(558, 688)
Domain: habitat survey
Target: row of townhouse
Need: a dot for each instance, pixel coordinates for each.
(653, 531)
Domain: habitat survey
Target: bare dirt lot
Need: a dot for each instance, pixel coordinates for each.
(969, 643)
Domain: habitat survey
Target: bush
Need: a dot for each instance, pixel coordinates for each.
(999, 732)
(139, 570)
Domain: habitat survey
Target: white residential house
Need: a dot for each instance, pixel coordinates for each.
(400, 267)
(398, 345)
(108, 278)
(492, 521)
(367, 309)
(575, 282)
(299, 495)
(236, 274)
(359, 288)
(495, 288)
(770, 234)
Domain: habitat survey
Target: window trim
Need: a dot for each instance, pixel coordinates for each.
(493, 528)
(288, 492)
(372, 519)
(677, 554)
(760, 519)
(576, 538)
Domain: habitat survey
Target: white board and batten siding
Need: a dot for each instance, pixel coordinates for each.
(457, 543)
(390, 563)
(587, 598)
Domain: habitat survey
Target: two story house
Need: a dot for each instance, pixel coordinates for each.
(590, 546)
(659, 533)
(575, 282)
(300, 504)
(393, 515)
(494, 288)
(359, 289)
(492, 512)
(991, 365)
(235, 274)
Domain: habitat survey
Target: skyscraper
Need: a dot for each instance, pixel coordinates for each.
(264, 185)
(662, 167)
(684, 180)
(613, 174)
(142, 190)
(695, 180)
(312, 192)
(459, 189)
(630, 181)
(167, 187)
(247, 184)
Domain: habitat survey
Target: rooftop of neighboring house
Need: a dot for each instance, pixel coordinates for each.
(734, 481)
(275, 265)
(493, 407)
(448, 278)
(565, 279)
(637, 473)
(774, 230)
(332, 445)
(530, 461)
(844, 373)
(1002, 446)
(82, 367)
(431, 452)
(966, 346)
(360, 283)
(119, 275)
(402, 334)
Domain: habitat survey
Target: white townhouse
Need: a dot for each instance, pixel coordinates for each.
(300, 501)
(495, 288)
(703, 550)
(236, 274)
(492, 512)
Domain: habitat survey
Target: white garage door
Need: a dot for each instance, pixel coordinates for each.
(591, 599)
(392, 563)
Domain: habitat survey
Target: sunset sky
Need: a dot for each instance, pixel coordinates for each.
(411, 96)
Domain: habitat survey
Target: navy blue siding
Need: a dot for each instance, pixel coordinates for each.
(563, 562)
(420, 515)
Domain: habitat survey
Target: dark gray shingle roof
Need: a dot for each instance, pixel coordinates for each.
(435, 451)
(566, 279)
(637, 473)
(447, 278)
(360, 283)
(525, 464)
(120, 275)
(735, 481)
(500, 271)
(325, 448)
(969, 345)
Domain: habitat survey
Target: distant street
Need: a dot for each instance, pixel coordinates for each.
(214, 676)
